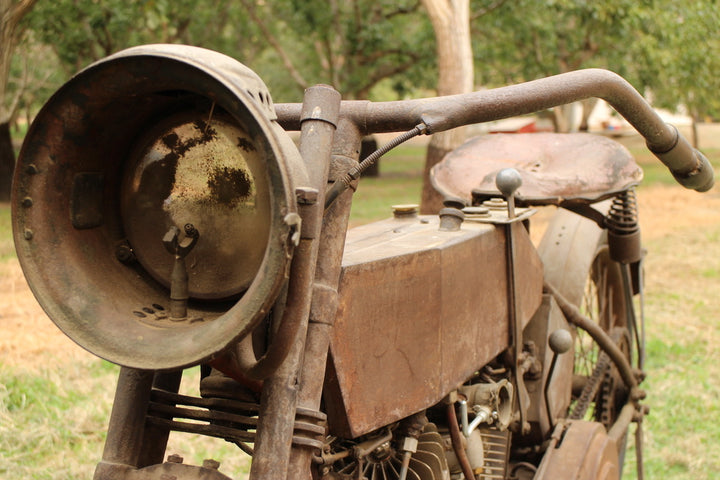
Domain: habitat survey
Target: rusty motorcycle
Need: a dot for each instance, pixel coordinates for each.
(164, 219)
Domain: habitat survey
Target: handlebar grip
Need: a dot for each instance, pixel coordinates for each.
(688, 165)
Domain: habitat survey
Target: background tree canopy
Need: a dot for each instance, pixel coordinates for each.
(375, 49)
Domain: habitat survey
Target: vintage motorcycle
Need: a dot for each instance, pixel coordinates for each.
(164, 218)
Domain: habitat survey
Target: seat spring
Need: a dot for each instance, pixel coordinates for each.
(622, 219)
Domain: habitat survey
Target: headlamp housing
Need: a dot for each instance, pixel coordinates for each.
(148, 139)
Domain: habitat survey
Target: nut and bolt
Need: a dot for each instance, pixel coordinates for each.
(27, 202)
(190, 230)
(495, 204)
(28, 234)
(211, 464)
(477, 212)
(124, 253)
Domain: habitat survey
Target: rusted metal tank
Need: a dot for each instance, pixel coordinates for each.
(419, 312)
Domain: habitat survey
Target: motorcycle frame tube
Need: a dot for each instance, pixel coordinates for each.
(126, 430)
(279, 395)
(346, 149)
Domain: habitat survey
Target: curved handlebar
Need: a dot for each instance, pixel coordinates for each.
(689, 167)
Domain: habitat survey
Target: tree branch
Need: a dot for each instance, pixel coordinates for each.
(19, 10)
(383, 73)
(488, 9)
(404, 10)
(273, 41)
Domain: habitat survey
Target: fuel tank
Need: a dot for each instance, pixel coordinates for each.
(420, 311)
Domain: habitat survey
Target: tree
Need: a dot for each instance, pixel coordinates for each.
(11, 13)
(451, 23)
(528, 39)
(83, 31)
(660, 46)
(352, 45)
(677, 61)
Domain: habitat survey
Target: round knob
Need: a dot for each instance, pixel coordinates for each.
(560, 341)
(507, 181)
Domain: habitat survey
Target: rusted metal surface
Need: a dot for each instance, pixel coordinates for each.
(156, 437)
(171, 469)
(279, 395)
(324, 303)
(418, 314)
(104, 181)
(584, 452)
(124, 442)
(553, 167)
(547, 319)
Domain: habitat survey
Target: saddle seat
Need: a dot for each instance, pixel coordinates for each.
(556, 168)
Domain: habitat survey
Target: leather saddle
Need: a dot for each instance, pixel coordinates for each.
(556, 168)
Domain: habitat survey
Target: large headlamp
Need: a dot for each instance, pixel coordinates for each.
(150, 141)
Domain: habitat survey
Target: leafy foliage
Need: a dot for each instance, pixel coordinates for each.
(658, 45)
(351, 45)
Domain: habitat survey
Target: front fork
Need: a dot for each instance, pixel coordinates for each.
(304, 369)
(289, 420)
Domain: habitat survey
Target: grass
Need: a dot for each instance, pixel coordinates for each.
(655, 172)
(400, 182)
(52, 421)
(53, 416)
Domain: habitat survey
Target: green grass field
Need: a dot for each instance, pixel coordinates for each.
(53, 412)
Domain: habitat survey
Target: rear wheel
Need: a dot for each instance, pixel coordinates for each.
(599, 392)
(577, 263)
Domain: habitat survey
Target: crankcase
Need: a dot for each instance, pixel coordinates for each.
(420, 311)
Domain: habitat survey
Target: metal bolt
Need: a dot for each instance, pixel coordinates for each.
(175, 458)
(124, 253)
(28, 234)
(191, 231)
(306, 195)
(27, 202)
(31, 169)
(211, 464)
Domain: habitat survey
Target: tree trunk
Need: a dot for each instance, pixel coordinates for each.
(7, 162)
(695, 136)
(588, 106)
(10, 15)
(451, 23)
(367, 147)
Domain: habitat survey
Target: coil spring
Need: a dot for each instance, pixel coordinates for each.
(622, 219)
